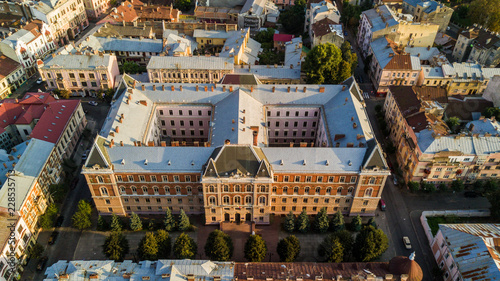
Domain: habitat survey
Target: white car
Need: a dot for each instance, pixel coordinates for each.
(39, 81)
(407, 243)
(93, 103)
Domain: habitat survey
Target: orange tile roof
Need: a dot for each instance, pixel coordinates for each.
(400, 62)
(8, 65)
(124, 12)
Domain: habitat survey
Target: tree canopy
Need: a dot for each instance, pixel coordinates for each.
(321, 222)
(347, 242)
(164, 244)
(303, 222)
(331, 249)
(370, 243)
(356, 223)
(116, 224)
(183, 223)
(183, 5)
(168, 221)
(289, 224)
(288, 249)
(219, 246)
(324, 64)
(255, 248)
(185, 247)
(47, 219)
(148, 247)
(486, 13)
(292, 18)
(135, 222)
(337, 223)
(492, 111)
(115, 246)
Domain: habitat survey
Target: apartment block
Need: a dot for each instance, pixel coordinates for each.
(467, 251)
(429, 12)
(426, 150)
(125, 12)
(319, 10)
(12, 76)
(383, 21)
(163, 69)
(282, 4)
(279, 41)
(326, 31)
(66, 18)
(478, 45)
(34, 41)
(83, 74)
(236, 153)
(96, 8)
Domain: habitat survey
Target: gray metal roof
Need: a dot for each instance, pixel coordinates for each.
(210, 63)
(78, 61)
(376, 19)
(269, 71)
(468, 145)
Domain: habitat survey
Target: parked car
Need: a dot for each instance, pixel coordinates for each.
(53, 237)
(407, 243)
(382, 205)
(395, 181)
(471, 194)
(39, 81)
(41, 263)
(93, 103)
(59, 221)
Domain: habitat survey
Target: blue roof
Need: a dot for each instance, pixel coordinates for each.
(376, 20)
(381, 52)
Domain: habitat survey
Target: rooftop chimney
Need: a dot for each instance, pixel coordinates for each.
(321, 89)
(197, 88)
(172, 88)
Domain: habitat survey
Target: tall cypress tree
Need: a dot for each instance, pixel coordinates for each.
(116, 224)
(184, 223)
(169, 222)
(337, 223)
(148, 247)
(303, 222)
(289, 224)
(321, 223)
(135, 222)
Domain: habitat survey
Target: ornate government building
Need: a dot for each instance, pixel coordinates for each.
(236, 153)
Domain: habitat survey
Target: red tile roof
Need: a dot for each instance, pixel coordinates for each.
(322, 27)
(54, 119)
(400, 62)
(124, 12)
(282, 37)
(7, 66)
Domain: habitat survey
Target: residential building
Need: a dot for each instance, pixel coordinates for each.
(326, 31)
(123, 30)
(147, 12)
(34, 41)
(383, 21)
(429, 12)
(479, 45)
(437, 76)
(96, 8)
(466, 108)
(188, 28)
(293, 54)
(390, 66)
(397, 269)
(267, 74)
(426, 149)
(236, 153)
(13, 16)
(66, 18)
(163, 69)
(80, 74)
(467, 251)
(125, 12)
(179, 46)
(282, 4)
(12, 76)
(279, 41)
(318, 10)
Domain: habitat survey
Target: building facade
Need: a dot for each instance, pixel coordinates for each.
(318, 10)
(429, 12)
(326, 31)
(478, 45)
(12, 76)
(96, 8)
(80, 73)
(34, 41)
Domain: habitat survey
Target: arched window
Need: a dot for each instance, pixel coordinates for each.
(318, 189)
(249, 188)
(226, 200)
(156, 189)
(329, 190)
(296, 190)
(306, 189)
(211, 188)
(350, 190)
(134, 189)
(274, 189)
(167, 189)
(339, 190)
(122, 190)
(285, 189)
(237, 200)
(104, 191)
(262, 188)
(189, 189)
(262, 200)
(177, 190)
(144, 189)
(248, 200)
(368, 192)
(100, 179)
(372, 180)
(226, 188)
(211, 200)
(237, 188)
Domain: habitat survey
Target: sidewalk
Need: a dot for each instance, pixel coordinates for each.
(19, 92)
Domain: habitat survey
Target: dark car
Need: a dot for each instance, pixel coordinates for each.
(53, 237)
(41, 263)
(471, 194)
(59, 221)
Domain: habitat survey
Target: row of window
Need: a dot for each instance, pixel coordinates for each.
(182, 123)
(152, 178)
(341, 179)
(190, 112)
(287, 113)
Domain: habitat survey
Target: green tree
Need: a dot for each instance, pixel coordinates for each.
(492, 112)
(494, 199)
(324, 65)
(288, 249)
(116, 224)
(82, 217)
(265, 36)
(115, 246)
(219, 246)
(372, 222)
(102, 224)
(168, 221)
(148, 247)
(413, 186)
(348, 56)
(36, 251)
(255, 248)
(185, 247)
(46, 220)
(183, 5)
(64, 94)
(347, 242)
(303, 222)
(370, 243)
(331, 249)
(84, 207)
(490, 186)
(356, 223)
(183, 223)
(453, 123)
(486, 13)
(292, 19)
(442, 187)
(289, 224)
(337, 223)
(321, 222)
(164, 244)
(135, 222)
(457, 185)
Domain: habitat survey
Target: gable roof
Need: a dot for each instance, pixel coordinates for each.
(8, 66)
(326, 26)
(237, 160)
(282, 37)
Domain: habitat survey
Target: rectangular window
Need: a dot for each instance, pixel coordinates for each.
(297, 179)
